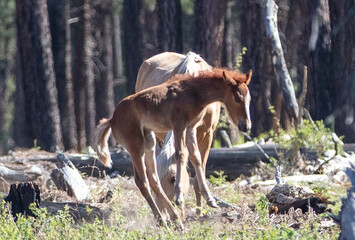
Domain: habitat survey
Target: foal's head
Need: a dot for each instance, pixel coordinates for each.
(237, 99)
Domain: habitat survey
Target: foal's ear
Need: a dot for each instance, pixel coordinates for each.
(228, 78)
(247, 81)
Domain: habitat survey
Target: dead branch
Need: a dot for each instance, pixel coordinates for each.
(68, 179)
(284, 79)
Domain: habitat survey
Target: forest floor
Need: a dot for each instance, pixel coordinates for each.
(122, 207)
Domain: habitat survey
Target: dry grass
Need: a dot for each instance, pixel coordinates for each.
(131, 218)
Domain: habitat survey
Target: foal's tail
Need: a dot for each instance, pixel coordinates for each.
(102, 134)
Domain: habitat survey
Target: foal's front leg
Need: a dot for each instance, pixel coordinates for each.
(181, 162)
(195, 158)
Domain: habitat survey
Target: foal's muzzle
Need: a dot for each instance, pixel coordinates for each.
(244, 125)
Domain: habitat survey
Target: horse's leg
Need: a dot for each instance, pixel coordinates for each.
(181, 163)
(152, 174)
(142, 182)
(195, 158)
(204, 139)
(204, 144)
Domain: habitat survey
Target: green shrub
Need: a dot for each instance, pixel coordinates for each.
(308, 135)
(220, 178)
(262, 209)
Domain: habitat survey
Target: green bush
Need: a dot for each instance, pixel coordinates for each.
(308, 135)
(62, 226)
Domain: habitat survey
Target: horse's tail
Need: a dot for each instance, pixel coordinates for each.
(102, 134)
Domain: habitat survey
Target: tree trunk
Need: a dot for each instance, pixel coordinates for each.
(40, 93)
(294, 35)
(22, 130)
(227, 50)
(7, 62)
(60, 29)
(4, 96)
(104, 72)
(132, 41)
(119, 91)
(169, 26)
(90, 115)
(342, 37)
(83, 77)
(149, 27)
(317, 41)
(257, 58)
(209, 28)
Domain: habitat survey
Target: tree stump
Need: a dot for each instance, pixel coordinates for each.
(21, 196)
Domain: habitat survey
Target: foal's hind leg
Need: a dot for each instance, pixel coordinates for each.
(195, 158)
(152, 174)
(142, 181)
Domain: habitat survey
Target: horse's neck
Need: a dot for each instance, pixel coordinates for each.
(192, 64)
(211, 89)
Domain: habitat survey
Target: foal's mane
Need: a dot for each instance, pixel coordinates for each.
(213, 73)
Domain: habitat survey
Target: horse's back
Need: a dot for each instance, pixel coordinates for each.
(157, 69)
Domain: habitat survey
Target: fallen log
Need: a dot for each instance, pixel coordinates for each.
(15, 176)
(121, 163)
(236, 161)
(233, 161)
(78, 211)
(68, 179)
(317, 204)
(323, 178)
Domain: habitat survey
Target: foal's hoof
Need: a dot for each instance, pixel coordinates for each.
(162, 222)
(177, 225)
(180, 227)
(212, 203)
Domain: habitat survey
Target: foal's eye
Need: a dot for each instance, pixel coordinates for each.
(172, 180)
(238, 97)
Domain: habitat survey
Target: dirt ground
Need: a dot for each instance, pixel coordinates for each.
(120, 195)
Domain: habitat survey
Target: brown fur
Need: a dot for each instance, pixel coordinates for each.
(215, 73)
(157, 70)
(178, 106)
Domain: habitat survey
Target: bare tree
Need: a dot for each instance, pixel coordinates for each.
(38, 79)
(7, 60)
(284, 79)
(22, 130)
(209, 28)
(83, 76)
(258, 59)
(103, 59)
(342, 77)
(132, 41)
(119, 91)
(169, 26)
(60, 30)
(227, 52)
